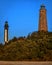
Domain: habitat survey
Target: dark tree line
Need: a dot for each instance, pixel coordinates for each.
(35, 47)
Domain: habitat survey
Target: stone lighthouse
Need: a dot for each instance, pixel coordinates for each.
(6, 32)
(43, 19)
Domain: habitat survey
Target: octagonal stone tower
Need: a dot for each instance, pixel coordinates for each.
(43, 19)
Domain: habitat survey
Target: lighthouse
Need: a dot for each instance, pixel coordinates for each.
(6, 32)
(43, 19)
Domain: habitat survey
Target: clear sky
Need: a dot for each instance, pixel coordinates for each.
(22, 16)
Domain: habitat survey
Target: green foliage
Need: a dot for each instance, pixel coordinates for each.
(36, 47)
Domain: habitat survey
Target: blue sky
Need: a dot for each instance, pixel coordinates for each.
(22, 16)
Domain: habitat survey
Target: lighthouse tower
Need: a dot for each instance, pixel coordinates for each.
(6, 32)
(43, 19)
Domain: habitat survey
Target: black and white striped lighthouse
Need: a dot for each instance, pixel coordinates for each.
(6, 32)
